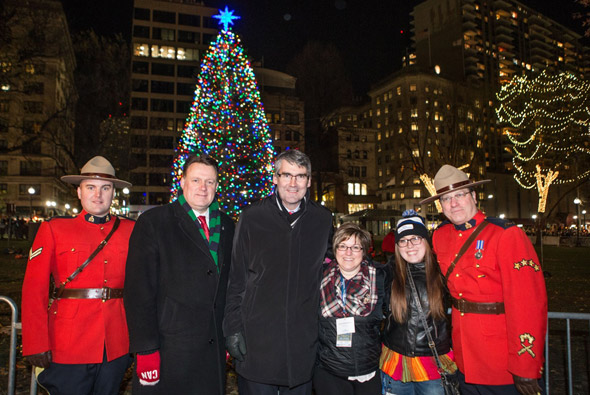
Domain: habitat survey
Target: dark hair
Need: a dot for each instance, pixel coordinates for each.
(295, 157)
(202, 159)
(434, 286)
(350, 229)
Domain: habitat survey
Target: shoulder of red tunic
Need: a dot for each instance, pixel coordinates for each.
(502, 223)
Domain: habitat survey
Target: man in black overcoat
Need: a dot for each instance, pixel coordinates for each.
(271, 316)
(175, 287)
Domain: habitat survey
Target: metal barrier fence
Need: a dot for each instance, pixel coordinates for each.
(567, 317)
(15, 326)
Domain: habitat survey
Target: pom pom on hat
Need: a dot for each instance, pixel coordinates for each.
(411, 224)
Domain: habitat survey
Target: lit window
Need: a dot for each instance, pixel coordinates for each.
(413, 87)
(141, 50)
(398, 90)
(416, 193)
(414, 113)
(414, 126)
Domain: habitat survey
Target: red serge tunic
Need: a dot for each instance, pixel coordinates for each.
(489, 348)
(75, 330)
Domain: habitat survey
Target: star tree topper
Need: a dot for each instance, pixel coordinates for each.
(226, 17)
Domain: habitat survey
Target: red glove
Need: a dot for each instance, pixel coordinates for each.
(148, 368)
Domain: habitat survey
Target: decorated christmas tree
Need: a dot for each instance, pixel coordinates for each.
(227, 122)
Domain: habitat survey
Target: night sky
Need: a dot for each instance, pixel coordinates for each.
(372, 35)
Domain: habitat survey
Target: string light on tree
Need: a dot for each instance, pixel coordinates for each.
(546, 120)
(227, 122)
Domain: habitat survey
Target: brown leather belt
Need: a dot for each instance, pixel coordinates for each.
(105, 293)
(465, 306)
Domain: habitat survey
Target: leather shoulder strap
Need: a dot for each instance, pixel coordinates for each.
(465, 246)
(90, 258)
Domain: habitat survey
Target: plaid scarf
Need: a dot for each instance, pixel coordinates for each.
(361, 292)
(214, 226)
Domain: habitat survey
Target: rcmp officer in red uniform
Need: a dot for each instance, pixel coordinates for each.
(81, 341)
(497, 290)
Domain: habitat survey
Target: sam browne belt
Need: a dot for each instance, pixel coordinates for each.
(465, 306)
(105, 293)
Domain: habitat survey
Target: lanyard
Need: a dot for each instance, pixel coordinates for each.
(343, 292)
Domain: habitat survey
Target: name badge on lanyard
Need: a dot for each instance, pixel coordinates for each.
(344, 331)
(344, 326)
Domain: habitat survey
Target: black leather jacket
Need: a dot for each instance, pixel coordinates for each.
(363, 357)
(409, 338)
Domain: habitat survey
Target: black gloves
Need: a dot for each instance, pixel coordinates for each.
(527, 386)
(236, 346)
(42, 359)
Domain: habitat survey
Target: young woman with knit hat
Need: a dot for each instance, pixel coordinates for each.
(407, 363)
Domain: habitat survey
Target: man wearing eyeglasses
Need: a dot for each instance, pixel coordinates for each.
(497, 290)
(271, 315)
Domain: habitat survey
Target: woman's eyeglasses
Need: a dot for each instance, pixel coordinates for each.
(414, 241)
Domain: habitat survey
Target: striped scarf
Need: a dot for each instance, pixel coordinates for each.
(214, 226)
(361, 292)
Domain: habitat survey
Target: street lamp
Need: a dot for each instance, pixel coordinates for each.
(31, 191)
(577, 202)
(584, 214)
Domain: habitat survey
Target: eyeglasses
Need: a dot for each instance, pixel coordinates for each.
(458, 197)
(414, 241)
(297, 177)
(354, 248)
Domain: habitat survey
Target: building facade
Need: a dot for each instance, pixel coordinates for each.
(169, 38)
(285, 112)
(37, 107)
(423, 121)
(352, 186)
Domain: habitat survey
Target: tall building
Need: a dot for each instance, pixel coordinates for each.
(37, 106)
(169, 37)
(353, 185)
(284, 110)
(487, 42)
(423, 121)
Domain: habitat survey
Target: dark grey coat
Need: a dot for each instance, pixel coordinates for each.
(174, 300)
(273, 292)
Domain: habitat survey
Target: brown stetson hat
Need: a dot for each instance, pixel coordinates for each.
(449, 179)
(97, 168)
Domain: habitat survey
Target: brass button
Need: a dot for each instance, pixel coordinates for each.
(460, 294)
(462, 314)
(73, 249)
(105, 281)
(460, 234)
(477, 265)
(457, 275)
(102, 228)
(105, 261)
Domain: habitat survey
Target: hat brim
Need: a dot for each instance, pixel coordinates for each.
(74, 179)
(470, 185)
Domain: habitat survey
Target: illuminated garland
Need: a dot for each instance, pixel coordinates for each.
(547, 122)
(227, 122)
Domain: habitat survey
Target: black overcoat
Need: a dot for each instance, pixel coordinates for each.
(274, 288)
(174, 300)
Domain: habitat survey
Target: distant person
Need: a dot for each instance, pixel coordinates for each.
(80, 344)
(175, 285)
(497, 290)
(407, 362)
(271, 317)
(388, 245)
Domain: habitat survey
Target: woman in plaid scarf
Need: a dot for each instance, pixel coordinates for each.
(351, 311)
